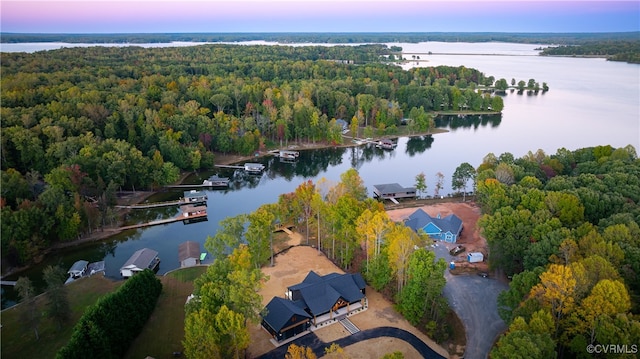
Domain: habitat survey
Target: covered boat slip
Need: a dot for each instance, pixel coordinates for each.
(392, 191)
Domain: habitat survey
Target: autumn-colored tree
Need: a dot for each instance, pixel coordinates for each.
(201, 340)
(259, 234)
(402, 241)
(371, 228)
(299, 352)
(556, 291)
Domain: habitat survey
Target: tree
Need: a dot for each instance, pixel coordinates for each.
(439, 184)
(58, 304)
(25, 290)
(228, 237)
(260, 232)
(556, 291)
(402, 241)
(233, 333)
(371, 228)
(461, 177)
(421, 184)
(299, 352)
(201, 340)
(304, 194)
(423, 290)
(525, 341)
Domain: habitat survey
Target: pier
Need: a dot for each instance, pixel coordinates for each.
(230, 166)
(8, 282)
(181, 217)
(153, 205)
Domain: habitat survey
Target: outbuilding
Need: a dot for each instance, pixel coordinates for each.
(189, 253)
(141, 259)
(475, 257)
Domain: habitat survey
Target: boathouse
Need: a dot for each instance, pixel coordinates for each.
(189, 253)
(141, 259)
(446, 229)
(391, 191)
(194, 196)
(78, 269)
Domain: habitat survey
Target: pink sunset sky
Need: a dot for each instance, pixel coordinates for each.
(146, 16)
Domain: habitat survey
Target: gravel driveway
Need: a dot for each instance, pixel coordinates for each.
(474, 299)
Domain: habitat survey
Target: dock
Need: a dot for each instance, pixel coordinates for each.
(153, 205)
(230, 166)
(8, 282)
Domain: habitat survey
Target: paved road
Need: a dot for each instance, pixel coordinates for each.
(312, 341)
(474, 299)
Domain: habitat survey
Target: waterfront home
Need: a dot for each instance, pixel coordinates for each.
(314, 301)
(391, 191)
(446, 229)
(141, 259)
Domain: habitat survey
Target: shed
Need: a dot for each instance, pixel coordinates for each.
(475, 257)
(189, 253)
(141, 259)
(78, 269)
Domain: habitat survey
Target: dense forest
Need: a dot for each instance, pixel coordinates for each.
(333, 38)
(80, 124)
(566, 226)
(618, 50)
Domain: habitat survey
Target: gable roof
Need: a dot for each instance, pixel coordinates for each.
(320, 293)
(420, 219)
(188, 249)
(141, 258)
(280, 310)
(78, 267)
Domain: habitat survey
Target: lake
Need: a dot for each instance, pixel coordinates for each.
(591, 102)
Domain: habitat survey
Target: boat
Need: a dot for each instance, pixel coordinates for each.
(215, 181)
(292, 155)
(253, 167)
(386, 144)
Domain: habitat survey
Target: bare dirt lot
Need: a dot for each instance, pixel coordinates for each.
(470, 238)
(292, 266)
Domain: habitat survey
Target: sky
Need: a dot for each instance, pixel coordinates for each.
(171, 16)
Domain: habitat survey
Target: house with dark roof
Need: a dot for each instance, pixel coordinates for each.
(446, 229)
(285, 319)
(321, 298)
(391, 191)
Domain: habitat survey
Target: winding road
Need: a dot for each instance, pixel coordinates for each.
(312, 341)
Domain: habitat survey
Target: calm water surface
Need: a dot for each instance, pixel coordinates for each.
(591, 102)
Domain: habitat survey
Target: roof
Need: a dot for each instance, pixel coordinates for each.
(320, 293)
(420, 219)
(392, 188)
(194, 194)
(78, 266)
(141, 258)
(188, 249)
(280, 310)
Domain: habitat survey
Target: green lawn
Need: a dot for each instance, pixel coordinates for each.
(19, 341)
(161, 336)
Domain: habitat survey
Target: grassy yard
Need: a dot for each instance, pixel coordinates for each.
(19, 341)
(161, 336)
(163, 333)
